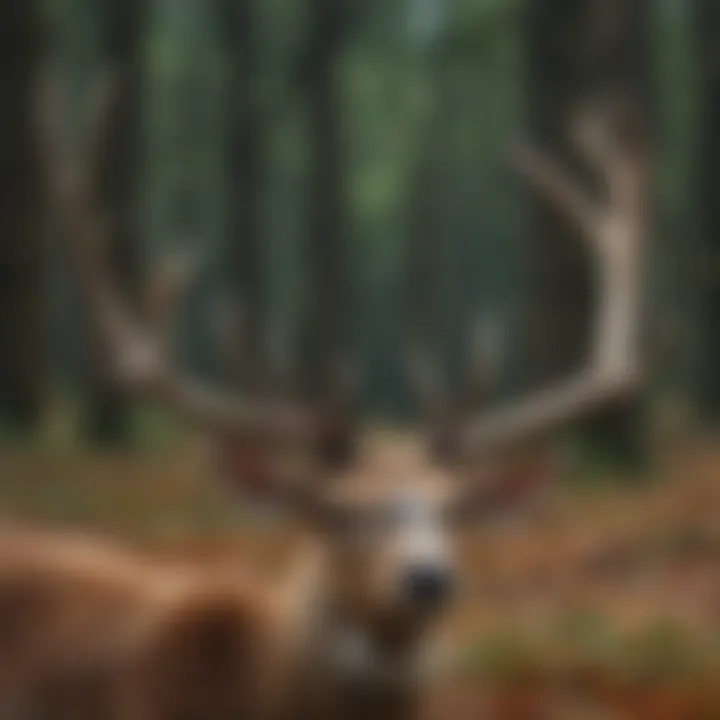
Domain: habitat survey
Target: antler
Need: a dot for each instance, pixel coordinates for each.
(167, 290)
(136, 353)
(614, 231)
(484, 349)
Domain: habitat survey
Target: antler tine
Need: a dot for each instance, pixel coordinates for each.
(556, 187)
(69, 186)
(135, 355)
(615, 233)
(549, 408)
(106, 97)
(425, 380)
(611, 137)
(484, 352)
(439, 414)
(167, 289)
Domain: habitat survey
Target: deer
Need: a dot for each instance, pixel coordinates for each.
(355, 625)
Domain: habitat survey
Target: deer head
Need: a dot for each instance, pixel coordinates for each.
(384, 514)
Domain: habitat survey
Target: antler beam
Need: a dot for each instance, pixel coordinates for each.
(136, 353)
(614, 231)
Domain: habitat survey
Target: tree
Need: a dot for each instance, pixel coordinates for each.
(22, 276)
(119, 179)
(246, 157)
(424, 250)
(326, 336)
(577, 51)
(707, 23)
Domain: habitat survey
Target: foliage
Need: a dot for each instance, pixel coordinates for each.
(414, 73)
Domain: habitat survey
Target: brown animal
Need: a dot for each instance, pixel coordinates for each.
(95, 629)
(352, 631)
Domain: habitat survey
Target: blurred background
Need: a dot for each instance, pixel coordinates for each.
(357, 150)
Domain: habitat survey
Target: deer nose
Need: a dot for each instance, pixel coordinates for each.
(428, 586)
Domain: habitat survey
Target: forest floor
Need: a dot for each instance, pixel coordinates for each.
(604, 605)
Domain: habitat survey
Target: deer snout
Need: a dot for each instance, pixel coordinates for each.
(427, 586)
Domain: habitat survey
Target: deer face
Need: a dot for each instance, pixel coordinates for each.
(390, 521)
(387, 531)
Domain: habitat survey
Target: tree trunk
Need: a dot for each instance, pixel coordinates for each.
(326, 336)
(118, 180)
(575, 51)
(22, 276)
(707, 25)
(424, 251)
(244, 182)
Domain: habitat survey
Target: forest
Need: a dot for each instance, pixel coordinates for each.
(409, 212)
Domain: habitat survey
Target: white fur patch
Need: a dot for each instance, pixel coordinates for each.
(422, 537)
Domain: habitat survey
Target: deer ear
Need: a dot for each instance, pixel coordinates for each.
(444, 439)
(510, 486)
(337, 440)
(240, 465)
(522, 478)
(268, 481)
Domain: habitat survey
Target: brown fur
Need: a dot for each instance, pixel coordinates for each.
(207, 653)
(91, 629)
(64, 602)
